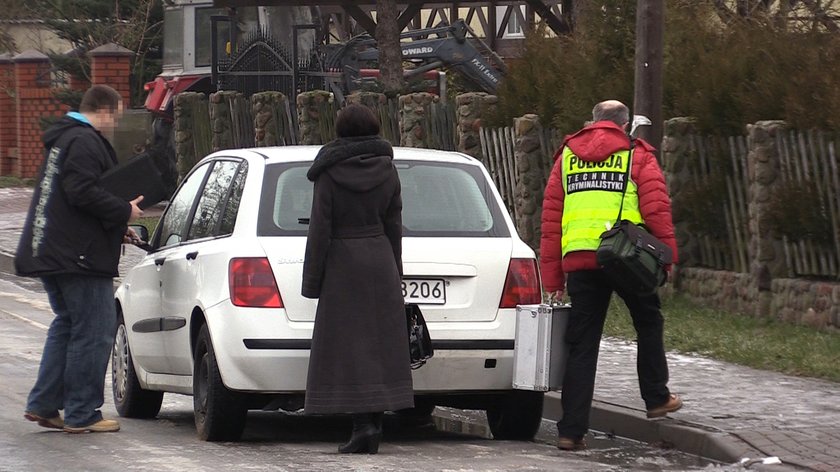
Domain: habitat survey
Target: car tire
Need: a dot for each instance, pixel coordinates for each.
(220, 413)
(130, 399)
(517, 416)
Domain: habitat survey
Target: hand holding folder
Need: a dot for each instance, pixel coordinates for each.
(137, 176)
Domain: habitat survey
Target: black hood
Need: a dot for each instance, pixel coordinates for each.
(359, 163)
(55, 131)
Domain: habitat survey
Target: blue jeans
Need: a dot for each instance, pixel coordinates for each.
(75, 357)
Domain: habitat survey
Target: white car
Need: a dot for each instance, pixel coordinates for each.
(214, 309)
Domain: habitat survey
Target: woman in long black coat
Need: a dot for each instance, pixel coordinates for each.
(359, 362)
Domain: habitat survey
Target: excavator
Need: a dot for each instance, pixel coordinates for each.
(451, 49)
(263, 48)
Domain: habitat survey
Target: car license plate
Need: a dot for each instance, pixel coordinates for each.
(429, 291)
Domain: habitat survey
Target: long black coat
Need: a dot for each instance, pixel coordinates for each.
(359, 360)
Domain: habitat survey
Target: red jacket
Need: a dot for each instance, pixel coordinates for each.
(597, 142)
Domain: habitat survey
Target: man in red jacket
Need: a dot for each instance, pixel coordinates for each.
(582, 199)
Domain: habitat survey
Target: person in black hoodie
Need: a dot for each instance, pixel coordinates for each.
(71, 241)
(359, 361)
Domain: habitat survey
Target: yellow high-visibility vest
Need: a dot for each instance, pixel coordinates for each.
(593, 193)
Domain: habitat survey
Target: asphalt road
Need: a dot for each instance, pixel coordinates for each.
(456, 441)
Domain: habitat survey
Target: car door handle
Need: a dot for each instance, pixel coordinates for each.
(159, 261)
(192, 255)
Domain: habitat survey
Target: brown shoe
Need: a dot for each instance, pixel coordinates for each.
(54, 423)
(673, 404)
(570, 444)
(101, 426)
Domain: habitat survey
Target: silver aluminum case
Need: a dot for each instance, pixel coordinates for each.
(540, 350)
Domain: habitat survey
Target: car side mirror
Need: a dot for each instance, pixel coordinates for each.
(143, 235)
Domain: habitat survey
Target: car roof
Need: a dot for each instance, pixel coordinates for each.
(298, 153)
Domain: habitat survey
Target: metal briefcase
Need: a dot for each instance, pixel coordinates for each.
(540, 351)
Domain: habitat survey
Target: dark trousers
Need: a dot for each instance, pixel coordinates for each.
(590, 293)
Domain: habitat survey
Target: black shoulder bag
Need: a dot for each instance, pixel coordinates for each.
(630, 256)
(419, 341)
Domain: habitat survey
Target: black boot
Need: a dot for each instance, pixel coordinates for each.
(367, 431)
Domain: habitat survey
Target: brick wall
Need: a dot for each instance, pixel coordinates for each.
(27, 96)
(8, 116)
(111, 65)
(34, 100)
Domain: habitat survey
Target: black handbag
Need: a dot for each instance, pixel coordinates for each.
(419, 342)
(631, 257)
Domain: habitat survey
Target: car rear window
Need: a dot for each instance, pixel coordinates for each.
(439, 199)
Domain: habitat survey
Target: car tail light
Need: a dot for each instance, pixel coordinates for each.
(522, 286)
(252, 283)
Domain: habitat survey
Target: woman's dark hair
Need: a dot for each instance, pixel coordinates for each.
(100, 97)
(356, 120)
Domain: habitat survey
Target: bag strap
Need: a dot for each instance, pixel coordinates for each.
(626, 181)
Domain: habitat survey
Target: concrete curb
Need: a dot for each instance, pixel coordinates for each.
(685, 436)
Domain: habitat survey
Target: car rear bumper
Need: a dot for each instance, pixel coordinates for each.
(284, 371)
(259, 350)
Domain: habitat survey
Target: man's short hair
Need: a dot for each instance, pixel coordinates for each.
(611, 110)
(356, 120)
(99, 98)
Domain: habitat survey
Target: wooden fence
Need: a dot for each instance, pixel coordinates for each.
(498, 146)
(719, 174)
(809, 160)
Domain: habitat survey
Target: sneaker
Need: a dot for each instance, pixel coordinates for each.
(570, 444)
(55, 422)
(101, 426)
(673, 404)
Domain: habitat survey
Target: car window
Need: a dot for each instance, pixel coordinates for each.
(212, 199)
(439, 199)
(292, 200)
(174, 221)
(231, 208)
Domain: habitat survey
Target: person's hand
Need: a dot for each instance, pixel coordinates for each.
(131, 237)
(136, 212)
(555, 297)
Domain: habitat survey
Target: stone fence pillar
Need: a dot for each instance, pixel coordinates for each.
(413, 116)
(471, 109)
(316, 117)
(191, 127)
(230, 121)
(677, 155)
(764, 176)
(530, 179)
(273, 124)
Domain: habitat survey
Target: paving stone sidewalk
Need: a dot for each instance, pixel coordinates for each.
(731, 412)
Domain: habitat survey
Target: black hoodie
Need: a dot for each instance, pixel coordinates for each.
(73, 224)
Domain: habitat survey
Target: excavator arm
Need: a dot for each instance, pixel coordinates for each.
(451, 49)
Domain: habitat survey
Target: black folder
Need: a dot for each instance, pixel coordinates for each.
(136, 176)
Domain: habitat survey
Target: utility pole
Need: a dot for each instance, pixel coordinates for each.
(647, 99)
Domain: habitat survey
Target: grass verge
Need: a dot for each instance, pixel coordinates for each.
(740, 339)
(7, 181)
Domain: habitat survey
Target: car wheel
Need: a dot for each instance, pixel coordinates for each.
(219, 413)
(517, 416)
(130, 399)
